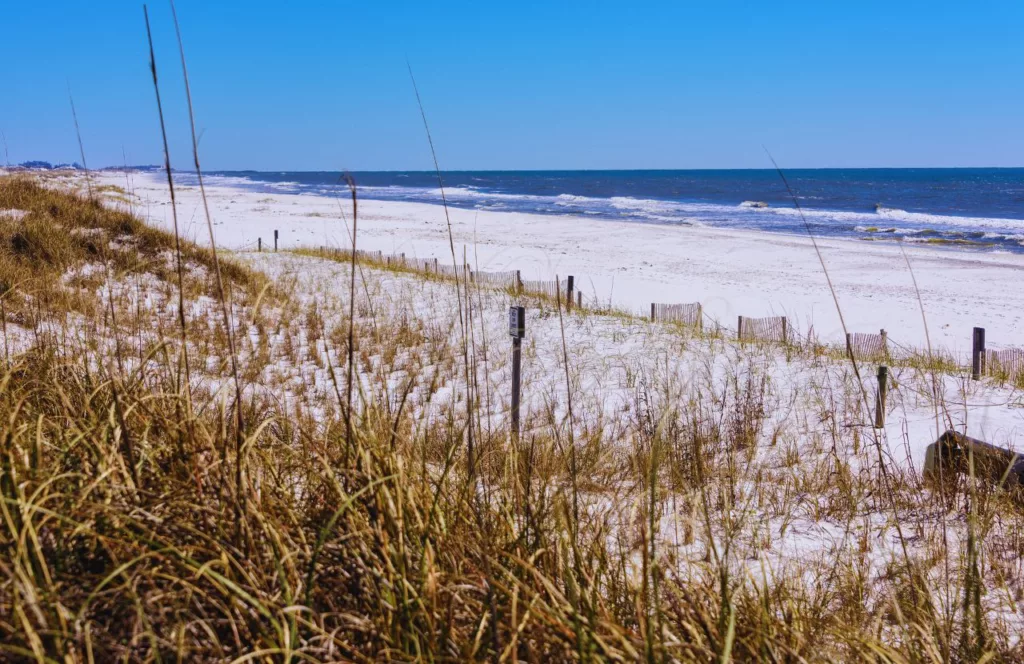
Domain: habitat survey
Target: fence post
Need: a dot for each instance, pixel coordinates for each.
(259, 244)
(517, 330)
(883, 388)
(739, 329)
(700, 317)
(785, 330)
(570, 297)
(519, 282)
(652, 312)
(579, 299)
(978, 354)
(849, 344)
(275, 240)
(885, 344)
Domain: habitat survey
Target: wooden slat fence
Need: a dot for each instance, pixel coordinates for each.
(452, 271)
(686, 314)
(552, 289)
(774, 328)
(1008, 362)
(428, 265)
(507, 279)
(377, 256)
(866, 346)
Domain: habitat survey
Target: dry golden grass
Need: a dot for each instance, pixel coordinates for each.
(650, 535)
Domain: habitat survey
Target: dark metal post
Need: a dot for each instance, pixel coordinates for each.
(883, 389)
(517, 330)
(568, 292)
(275, 240)
(517, 359)
(978, 354)
(259, 244)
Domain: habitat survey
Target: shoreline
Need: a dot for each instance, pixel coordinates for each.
(731, 272)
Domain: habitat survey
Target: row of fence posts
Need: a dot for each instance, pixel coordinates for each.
(517, 329)
(259, 243)
(977, 351)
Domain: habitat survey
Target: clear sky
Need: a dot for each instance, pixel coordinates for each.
(546, 85)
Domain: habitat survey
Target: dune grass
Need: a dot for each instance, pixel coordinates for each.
(650, 531)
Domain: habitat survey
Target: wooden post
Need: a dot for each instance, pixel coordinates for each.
(739, 328)
(849, 344)
(885, 344)
(785, 330)
(568, 291)
(883, 388)
(579, 299)
(700, 317)
(652, 312)
(517, 330)
(259, 244)
(275, 240)
(978, 354)
(519, 282)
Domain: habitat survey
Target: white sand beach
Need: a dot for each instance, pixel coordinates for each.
(731, 272)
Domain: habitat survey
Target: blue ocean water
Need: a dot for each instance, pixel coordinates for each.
(966, 208)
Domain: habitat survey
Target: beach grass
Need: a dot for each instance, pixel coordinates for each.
(719, 515)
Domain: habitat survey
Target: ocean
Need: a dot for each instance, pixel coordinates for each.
(977, 209)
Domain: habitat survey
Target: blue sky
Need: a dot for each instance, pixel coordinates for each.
(324, 86)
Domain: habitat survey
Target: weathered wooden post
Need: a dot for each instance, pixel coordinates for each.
(569, 296)
(849, 344)
(259, 244)
(785, 330)
(579, 299)
(739, 328)
(883, 389)
(700, 317)
(885, 343)
(978, 354)
(517, 330)
(275, 240)
(519, 282)
(652, 312)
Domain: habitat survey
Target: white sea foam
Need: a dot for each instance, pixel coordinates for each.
(894, 214)
(748, 214)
